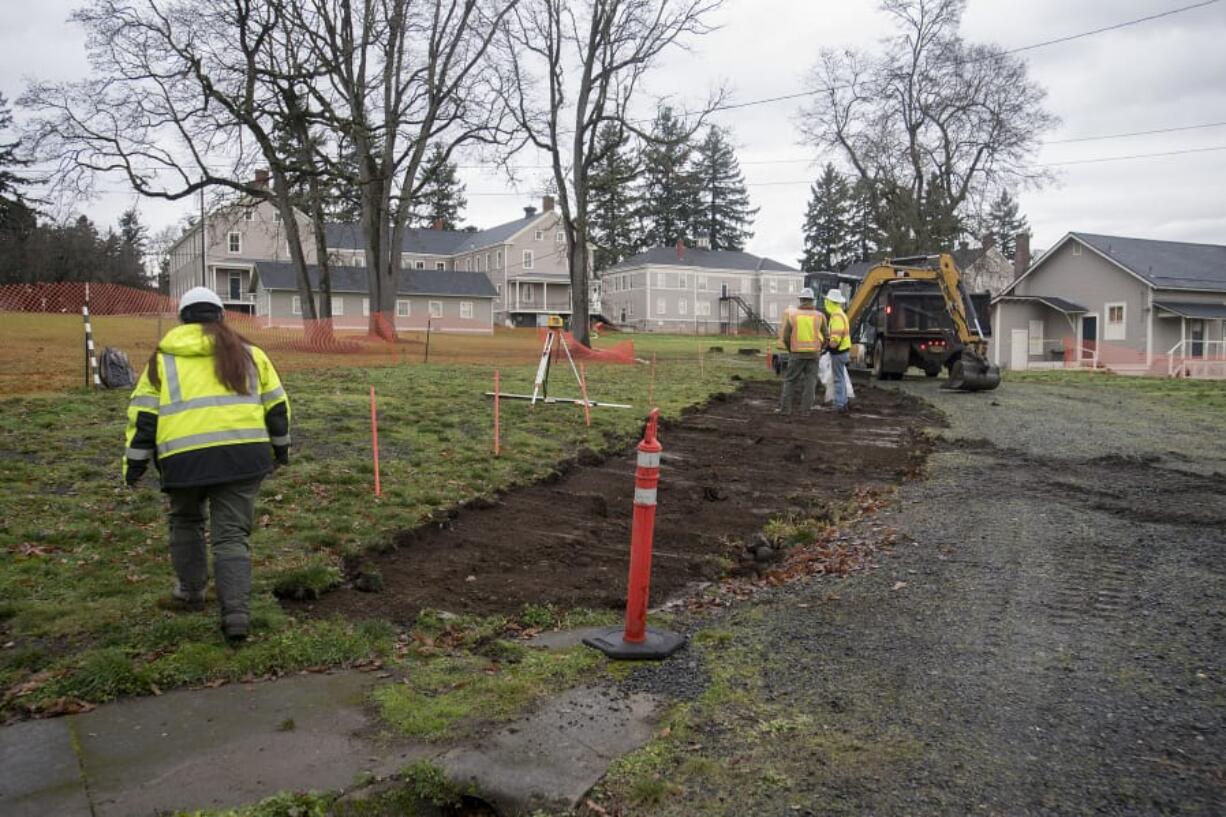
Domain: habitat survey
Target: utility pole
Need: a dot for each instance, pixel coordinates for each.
(204, 242)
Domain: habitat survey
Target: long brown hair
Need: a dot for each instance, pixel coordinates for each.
(231, 360)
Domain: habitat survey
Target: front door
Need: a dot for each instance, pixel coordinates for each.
(1196, 334)
(1089, 339)
(1019, 354)
(236, 286)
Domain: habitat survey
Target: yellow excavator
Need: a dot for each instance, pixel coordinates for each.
(894, 325)
(896, 321)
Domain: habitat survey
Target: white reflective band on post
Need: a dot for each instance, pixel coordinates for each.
(281, 440)
(232, 435)
(649, 459)
(172, 378)
(644, 496)
(143, 402)
(209, 402)
(138, 453)
(275, 394)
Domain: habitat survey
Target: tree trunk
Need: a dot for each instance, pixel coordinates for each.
(580, 274)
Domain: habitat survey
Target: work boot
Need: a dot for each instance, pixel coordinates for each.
(183, 600)
(235, 628)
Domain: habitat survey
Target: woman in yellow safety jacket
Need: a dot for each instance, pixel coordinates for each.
(839, 342)
(211, 415)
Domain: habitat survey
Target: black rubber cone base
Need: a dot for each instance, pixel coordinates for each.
(655, 646)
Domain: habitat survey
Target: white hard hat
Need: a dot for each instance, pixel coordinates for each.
(200, 295)
(806, 294)
(836, 296)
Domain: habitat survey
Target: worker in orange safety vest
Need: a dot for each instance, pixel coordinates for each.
(801, 333)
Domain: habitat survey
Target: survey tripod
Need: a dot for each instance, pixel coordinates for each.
(555, 343)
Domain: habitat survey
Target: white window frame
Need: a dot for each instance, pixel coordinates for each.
(683, 307)
(772, 310)
(249, 214)
(1034, 335)
(526, 294)
(404, 308)
(683, 280)
(539, 235)
(440, 265)
(703, 308)
(498, 287)
(466, 310)
(488, 265)
(700, 281)
(230, 242)
(1076, 248)
(419, 265)
(661, 306)
(338, 306)
(529, 259)
(366, 307)
(436, 309)
(295, 305)
(560, 237)
(1115, 330)
(276, 215)
(772, 284)
(230, 285)
(499, 257)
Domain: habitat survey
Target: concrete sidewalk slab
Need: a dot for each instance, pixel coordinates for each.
(39, 771)
(553, 758)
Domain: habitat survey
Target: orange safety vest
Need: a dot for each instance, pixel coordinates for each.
(806, 331)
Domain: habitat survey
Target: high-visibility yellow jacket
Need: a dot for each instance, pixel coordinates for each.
(196, 430)
(839, 335)
(801, 331)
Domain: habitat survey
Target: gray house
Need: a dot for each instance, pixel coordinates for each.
(446, 300)
(1133, 305)
(697, 290)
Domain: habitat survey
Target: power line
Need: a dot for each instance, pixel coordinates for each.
(1132, 133)
(1134, 156)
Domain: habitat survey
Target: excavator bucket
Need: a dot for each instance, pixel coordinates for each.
(972, 373)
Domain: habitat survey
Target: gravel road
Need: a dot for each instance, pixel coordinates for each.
(1049, 640)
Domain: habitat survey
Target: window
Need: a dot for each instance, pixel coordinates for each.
(1076, 248)
(466, 310)
(660, 280)
(419, 265)
(249, 214)
(234, 243)
(338, 307)
(791, 287)
(560, 237)
(436, 309)
(700, 281)
(295, 306)
(499, 288)
(276, 215)
(236, 286)
(1035, 337)
(525, 294)
(488, 265)
(683, 306)
(499, 257)
(661, 306)
(540, 235)
(772, 311)
(404, 308)
(682, 280)
(773, 285)
(440, 265)
(703, 308)
(1115, 328)
(529, 259)
(366, 307)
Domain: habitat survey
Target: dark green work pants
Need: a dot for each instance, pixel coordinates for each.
(801, 374)
(230, 508)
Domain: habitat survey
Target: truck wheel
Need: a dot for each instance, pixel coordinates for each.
(879, 371)
(932, 371)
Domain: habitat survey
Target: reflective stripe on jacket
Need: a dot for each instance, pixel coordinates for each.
(840, 338)
(802, 331)
(195, 429)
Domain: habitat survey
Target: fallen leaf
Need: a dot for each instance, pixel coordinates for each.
(898, 585)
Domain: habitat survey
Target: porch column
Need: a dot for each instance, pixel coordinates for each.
(545, 297)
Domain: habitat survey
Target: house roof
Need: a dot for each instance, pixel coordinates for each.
(1189, 309)
(1058, 304)
(430, 242)
(281, 275)
(702, 259)
(1161, 264)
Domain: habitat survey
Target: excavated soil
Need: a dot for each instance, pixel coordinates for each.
(726, 470)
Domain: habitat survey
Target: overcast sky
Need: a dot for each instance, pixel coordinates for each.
(1166, 73)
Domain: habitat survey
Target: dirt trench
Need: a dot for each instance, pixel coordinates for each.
(726, 470)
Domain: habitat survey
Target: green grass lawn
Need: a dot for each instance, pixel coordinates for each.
(83, 561)
(1197, 394)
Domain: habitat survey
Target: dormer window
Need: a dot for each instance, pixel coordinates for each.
(540, 235)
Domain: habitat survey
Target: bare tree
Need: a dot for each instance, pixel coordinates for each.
(391, 78)
(934, 126)
(575, 66)
(184, 99)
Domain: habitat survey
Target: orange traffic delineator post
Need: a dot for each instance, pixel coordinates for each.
(635, 641)
(374, 440)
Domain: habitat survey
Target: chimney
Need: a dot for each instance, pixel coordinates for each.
(680, 249)
(261, 178)
(529, 212)
(1021, 254)
(704, 241)
(437, 225)
(547, 204)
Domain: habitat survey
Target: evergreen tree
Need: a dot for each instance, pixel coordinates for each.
(130, 254)
(830, 240)
(613, 200)
(865, 232)
(1005, 222)
(724, 215)
(670, 192)
(17, 218)
(442, 195)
